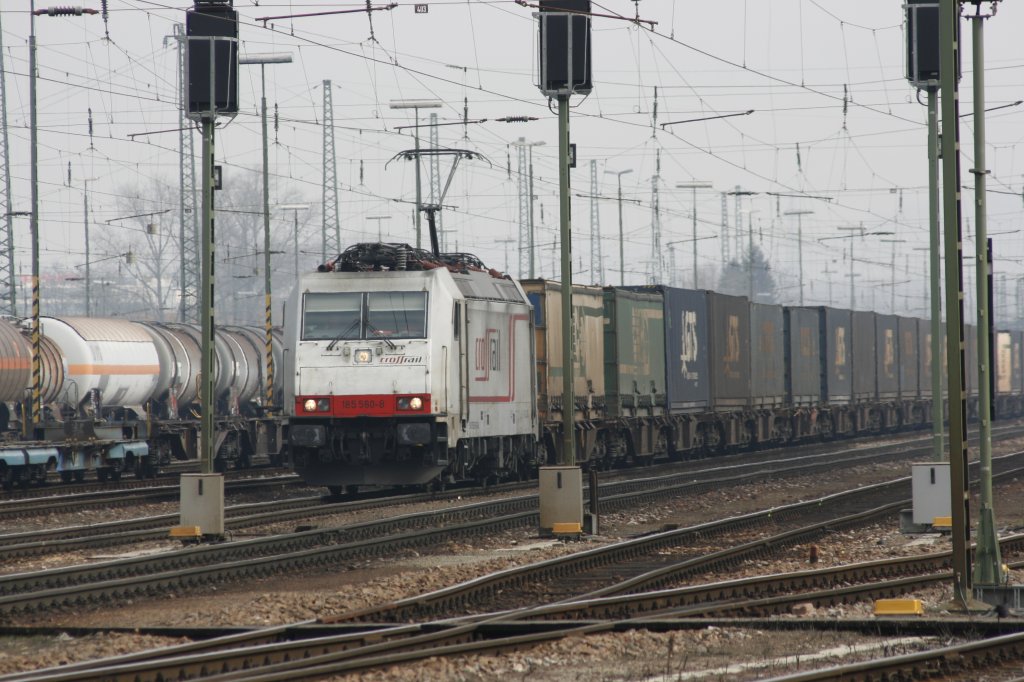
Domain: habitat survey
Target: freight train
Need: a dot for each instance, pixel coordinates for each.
(402, 367)
(122, 396)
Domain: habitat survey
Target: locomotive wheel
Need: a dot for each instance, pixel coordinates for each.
(65, 477)
(102, 474)
(334, 490)
(79, 476)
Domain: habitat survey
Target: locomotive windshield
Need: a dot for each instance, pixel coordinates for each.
(354, 316)
(398, 315)
(327, 317)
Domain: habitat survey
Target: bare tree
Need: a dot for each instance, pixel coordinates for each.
(142, 243)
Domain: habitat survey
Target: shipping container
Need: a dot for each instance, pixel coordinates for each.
(887, 356)
(767, 356)
(836, 356)
(588, 331)
(729, 342)
(1018, 348)
(971, 360)
(687, 363)
(803, 356)
(909, 364)
(865, 382)
(634, 352)
(924, 357)
(1006, 363)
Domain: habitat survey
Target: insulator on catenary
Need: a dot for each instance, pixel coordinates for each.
(66, 11)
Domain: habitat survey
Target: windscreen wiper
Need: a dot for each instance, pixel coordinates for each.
(342, 336)
(379, 333)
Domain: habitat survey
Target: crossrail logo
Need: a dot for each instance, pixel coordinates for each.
(487, 359)
(401, 359)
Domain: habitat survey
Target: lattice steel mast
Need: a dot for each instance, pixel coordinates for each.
(656, 260)
(188, 205)
(435, 178)
(9, 300)
(525, 256)
(331, 229)
(596, 262)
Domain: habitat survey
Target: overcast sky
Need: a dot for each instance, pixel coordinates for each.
(822, 76)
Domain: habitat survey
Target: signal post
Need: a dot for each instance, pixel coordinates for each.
(565, 63)
(211, 91)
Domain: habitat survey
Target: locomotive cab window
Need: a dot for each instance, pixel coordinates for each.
(396, 315)
(331, 316)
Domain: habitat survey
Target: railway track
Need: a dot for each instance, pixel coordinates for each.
(728, 471)
(112, 581)
(302, 650)
(134, 495)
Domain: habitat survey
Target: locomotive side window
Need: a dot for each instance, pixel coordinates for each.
(331, 316)
(396, 315)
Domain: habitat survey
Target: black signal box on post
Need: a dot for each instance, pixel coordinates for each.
(212, 60)
(565, 63)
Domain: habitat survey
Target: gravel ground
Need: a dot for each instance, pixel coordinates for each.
(624, 656)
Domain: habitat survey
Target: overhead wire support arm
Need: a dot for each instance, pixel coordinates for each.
(708, 118)
(632, 20)
(378, 8)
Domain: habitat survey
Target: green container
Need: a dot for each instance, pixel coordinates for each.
(634, 353)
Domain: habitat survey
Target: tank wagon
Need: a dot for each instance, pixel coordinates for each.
(405, 368)
(123, 396)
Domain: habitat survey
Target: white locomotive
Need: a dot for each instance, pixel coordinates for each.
(402, 368)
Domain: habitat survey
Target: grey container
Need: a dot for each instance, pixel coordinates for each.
(887, 356)
(687, 367)
(802, 356)
(865, 384)
(767, 356)
(909, 364)
(836, 355)
(729, 342)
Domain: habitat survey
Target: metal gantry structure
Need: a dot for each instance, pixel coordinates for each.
(435, 177)
(331, 229)
(656, 257)
(188, 202)
(596, 262)
(525, 255)
(8, 293)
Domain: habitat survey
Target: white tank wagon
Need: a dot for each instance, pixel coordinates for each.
(408, 376)
(121, 395)
(238, 366)
(107, 362)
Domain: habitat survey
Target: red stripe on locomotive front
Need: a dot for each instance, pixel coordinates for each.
(361, 405)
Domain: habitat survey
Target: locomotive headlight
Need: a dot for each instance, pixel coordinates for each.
(363, 356)
(310, 405)
(323, 405)
(410, 403)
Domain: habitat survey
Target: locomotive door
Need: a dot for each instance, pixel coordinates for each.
(462, 335)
